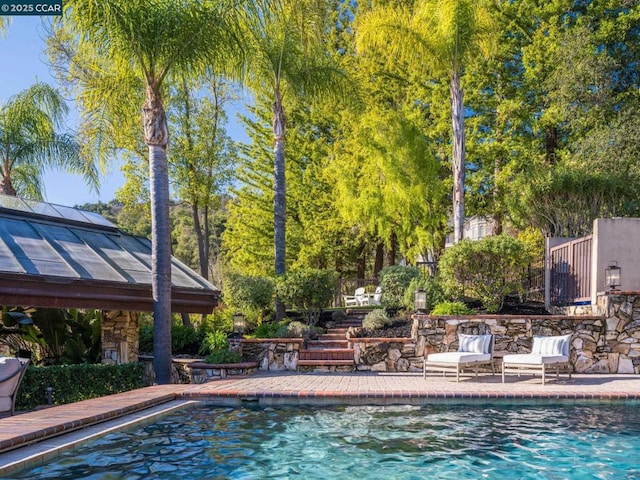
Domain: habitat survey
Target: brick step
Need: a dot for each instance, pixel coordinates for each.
(325, 363)
(324, 344)
(338, 330)
(332, 336)
(328, 354)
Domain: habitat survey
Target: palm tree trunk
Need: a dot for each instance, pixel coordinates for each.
(279, 199)
(457, 121)
(156, 137)
(6, 186)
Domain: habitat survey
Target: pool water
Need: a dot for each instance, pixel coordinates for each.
(204, 442)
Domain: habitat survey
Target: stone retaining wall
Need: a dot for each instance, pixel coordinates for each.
(385, 354)
(274, 354)
(599, 345)
(606, 343)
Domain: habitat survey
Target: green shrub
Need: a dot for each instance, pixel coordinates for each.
(220, 319)
(376, 319)
(223, 356)
(145, 340)
(296, 330)
(486, 269)
(184, 339)
(451, 308)
(267, 330)
(429, 285)
(212, 341)
(251, 295)
(308, 290)
(394, 282)
(72, 383)
(53, 336)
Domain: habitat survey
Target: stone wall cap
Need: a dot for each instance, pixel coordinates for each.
(215, 366)
(381, 339)
(420, 316)
(271, 340)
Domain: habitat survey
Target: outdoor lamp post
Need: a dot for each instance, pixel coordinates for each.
(612, 276)
(420, 301)
(239, 323)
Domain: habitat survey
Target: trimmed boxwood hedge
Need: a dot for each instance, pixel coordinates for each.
(72, 383)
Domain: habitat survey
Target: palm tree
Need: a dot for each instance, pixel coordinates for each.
(288, 57)
(439, 37)
(152, 39)
(29, 143)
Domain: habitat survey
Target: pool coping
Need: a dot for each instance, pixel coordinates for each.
(316, 389)
(50, 448)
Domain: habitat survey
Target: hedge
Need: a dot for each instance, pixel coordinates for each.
(72, 383)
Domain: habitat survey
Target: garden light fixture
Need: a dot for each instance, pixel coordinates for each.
(612, 276)
(420, 301)
(239, 322)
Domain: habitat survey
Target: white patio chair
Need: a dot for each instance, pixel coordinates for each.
(546, 353)
(376, 298)
(473, 352)
(354, 300)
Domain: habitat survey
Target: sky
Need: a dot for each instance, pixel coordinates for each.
(24, 62)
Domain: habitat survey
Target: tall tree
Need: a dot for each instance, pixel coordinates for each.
(29, 143)
(289, 57)
(436, 37)
(203, 155)
(150, 40)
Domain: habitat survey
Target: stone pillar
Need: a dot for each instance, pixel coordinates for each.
(119, 337)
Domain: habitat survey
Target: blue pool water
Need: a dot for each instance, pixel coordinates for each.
(458, 442)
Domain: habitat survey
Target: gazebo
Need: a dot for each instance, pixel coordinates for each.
(62, 257)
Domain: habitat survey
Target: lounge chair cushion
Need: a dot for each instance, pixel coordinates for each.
(458, 357)
(557, 345)
(474, 343)
(534, 359)
(9, 367)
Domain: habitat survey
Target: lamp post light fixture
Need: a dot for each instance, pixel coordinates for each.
(420, 301)
(239, 323)
(612, 276)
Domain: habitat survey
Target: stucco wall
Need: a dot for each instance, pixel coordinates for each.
(615, 239)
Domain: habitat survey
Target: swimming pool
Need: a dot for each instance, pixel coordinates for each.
(365, 442)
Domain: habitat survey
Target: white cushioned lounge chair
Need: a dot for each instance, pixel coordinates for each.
(547, 353)
(11, 372)
(473, 352)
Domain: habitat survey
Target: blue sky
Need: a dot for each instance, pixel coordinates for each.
(23, 63)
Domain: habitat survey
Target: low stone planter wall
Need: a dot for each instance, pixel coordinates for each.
(204, 372)
(274, 354)
(180, 373)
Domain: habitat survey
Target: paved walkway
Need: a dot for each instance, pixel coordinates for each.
(319, 389)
